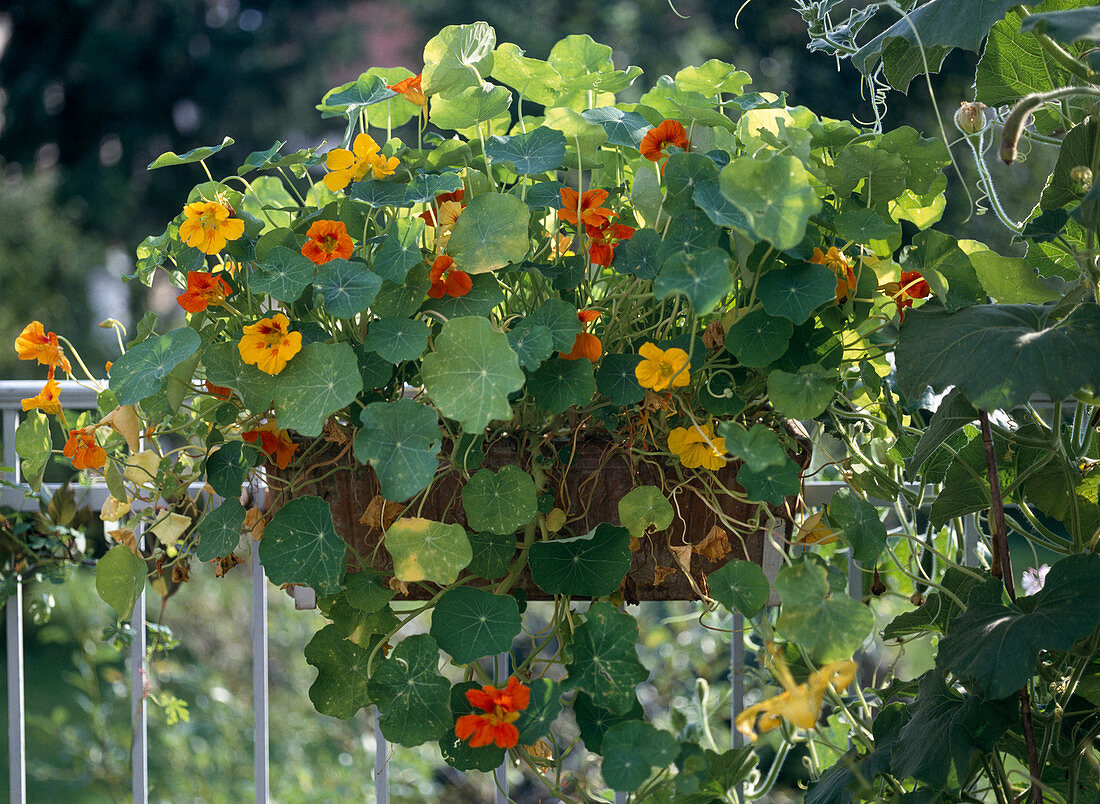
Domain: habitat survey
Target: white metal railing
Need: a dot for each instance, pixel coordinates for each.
(75, 396)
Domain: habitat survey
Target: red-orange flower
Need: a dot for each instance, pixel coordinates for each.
(274, 443)
(585, 345)
(429, 215)
(83, 449)
(412, 89)
(328, 240)
(34, 343)
(203, 289)
(912, 286)
(588, 202)
(448, 280)
(603, 239)
(502, 709)
(657, 139)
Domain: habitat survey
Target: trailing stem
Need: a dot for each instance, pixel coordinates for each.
(1002, 568)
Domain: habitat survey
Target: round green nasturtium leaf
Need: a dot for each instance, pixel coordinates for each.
(353, 97)
(374, 370)
(398, 339)
(469, 107)
(300, 545)
(470, 623)
(400, 440)
(859, 525)
(689, 233)
(228, 466)
(740, 586)
(492, 554)
(120, 579)
(424, 187)
(424, 550)
(532, 343)
(796, 291)
(317, 382)
(490, 233)
(559, 384)
(170, 158)
(595, 721)
(457, 57)
(757, 447)
(367, 591)
(604, 662)
(804, 394)
(863, 225)
(499, 502)
(541, 712)
(225, 367)
(340, 689)
(282, 274)
(772, 484)
(560, 318)
(829, 625)
(412, 697)
(534, 79)
(640, 255)
(623, 128)
(758, 339)
(704, 277)
(616, 379)
(643, 507)
(139, 372)
(458, 753)
(220, 530)
(632, 750)
(347, 287)
(399, 250)
(484, 295)
(708, 197)
(583, 139)
(471, 373)
(32, 445)
(592, 565)
(775, 195)
(536, 151)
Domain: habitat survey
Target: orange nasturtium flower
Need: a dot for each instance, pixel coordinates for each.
(327, 241)
(912, 286)
(429, 215)
(602, 241)
(448, 280)
(83, 449)
(697, 447)
(835, 261)
(274, 443)
(657, 139)
(502, 710)
(798, 704)
(412, 89)
(203, 289)
(588, 203)
(34, 343)
(208, 226)
(47, 400)
(662, 368)
(269, 344)
(585, 344)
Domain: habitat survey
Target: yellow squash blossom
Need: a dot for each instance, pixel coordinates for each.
(798, 704)
(662, 368)
(269, 344)
(208, 226)
(696, 447)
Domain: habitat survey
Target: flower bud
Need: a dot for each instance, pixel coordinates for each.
(970, 118)
(1080, 179)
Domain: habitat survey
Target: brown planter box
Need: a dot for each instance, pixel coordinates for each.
(588, 490)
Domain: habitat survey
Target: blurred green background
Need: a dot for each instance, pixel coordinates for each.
(91, 91)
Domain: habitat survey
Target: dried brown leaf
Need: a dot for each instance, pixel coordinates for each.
(715, 545)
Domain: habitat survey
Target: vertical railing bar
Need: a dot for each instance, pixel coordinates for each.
(260, 733)
(500, 774)
(381, 763)
(737, 684)
(139, 755)
(11, 424)
(17, 742)
(970, 540)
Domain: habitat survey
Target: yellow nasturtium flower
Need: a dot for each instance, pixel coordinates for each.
(208, 226)
(662, 368)
(697, 447)
(47, 400)
(798, 704)
(347, 166)
(269, 344)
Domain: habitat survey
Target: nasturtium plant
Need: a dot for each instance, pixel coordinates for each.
(568, 339)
